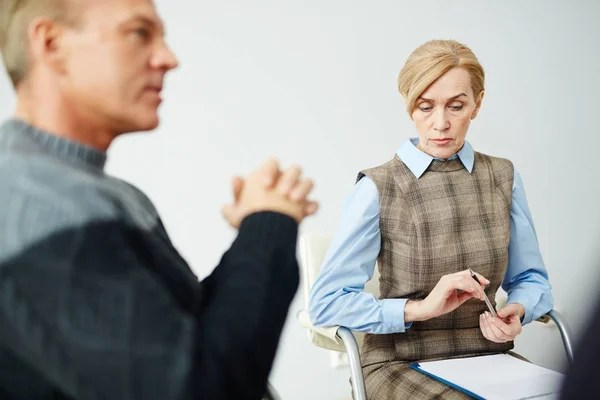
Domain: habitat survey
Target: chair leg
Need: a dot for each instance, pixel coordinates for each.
(358, 380)
(564, 333)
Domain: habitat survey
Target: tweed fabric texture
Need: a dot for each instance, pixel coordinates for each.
(444, 222)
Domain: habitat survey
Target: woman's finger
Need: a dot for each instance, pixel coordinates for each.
(467, 285)
(483, 324)
(495, 331)
(502, 326)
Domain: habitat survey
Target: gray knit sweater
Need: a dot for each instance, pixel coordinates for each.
(95, 302)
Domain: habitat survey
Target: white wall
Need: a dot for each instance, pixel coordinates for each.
(314, 82)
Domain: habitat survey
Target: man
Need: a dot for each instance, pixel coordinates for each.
(95, 302)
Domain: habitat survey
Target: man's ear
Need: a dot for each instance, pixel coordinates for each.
(45, 36)
(478, 101)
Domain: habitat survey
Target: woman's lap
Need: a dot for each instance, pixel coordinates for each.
(396, 380)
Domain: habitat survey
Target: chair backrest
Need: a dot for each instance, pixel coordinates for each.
(313, 248)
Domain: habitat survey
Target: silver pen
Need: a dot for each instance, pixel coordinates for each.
(487, 301)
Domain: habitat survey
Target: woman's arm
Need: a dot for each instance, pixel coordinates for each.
(337, 297)
(526, 279)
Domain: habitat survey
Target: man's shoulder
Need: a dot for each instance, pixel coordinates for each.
(47, 181)
(39, 198)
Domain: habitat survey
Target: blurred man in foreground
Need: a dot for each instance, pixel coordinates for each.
(95, 301)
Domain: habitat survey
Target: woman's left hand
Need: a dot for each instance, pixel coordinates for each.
(505, 327)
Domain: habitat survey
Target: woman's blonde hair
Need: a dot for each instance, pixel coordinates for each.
(430, 61)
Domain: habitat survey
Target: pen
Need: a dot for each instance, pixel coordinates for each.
(487, 301)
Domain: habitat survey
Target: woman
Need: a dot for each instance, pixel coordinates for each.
(435, 210)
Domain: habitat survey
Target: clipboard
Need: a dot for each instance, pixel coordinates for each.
(495, 377)
(417, 367)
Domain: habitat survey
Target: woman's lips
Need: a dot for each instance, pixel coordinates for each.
(441, 142)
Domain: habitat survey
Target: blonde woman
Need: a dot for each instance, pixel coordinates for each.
(433, 212)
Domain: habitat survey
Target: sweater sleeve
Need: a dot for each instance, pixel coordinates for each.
(85, 307)
(248, 298)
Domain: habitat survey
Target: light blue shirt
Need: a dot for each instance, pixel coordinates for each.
(337, 297)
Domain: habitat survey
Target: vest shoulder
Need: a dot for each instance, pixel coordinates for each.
(501, 167)
(494, 160)
(382, 171)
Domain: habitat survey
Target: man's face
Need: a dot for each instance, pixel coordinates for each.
(115, 64)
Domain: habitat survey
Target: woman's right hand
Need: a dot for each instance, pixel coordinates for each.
(450, 292)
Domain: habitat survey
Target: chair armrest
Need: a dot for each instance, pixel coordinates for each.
(326, 338)
(358, 381)
(339, 339)
(565, 334)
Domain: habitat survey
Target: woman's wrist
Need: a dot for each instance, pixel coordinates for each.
(413, 311)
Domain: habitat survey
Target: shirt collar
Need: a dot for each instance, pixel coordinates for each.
(418, 161)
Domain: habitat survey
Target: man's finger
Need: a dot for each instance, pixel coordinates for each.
(227, 210)
(301, 191)
(237, 184)
(288, 180)
(231, 214)
(311, 208)
(270, 172)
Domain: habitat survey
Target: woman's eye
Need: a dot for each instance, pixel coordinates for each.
(456, 107)
(425, 108)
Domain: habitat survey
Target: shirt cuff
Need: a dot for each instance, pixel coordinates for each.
(393, 315)
(522, 299)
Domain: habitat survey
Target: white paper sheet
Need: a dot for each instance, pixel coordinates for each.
(498, 377)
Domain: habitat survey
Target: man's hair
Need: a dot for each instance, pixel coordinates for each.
(15, 17)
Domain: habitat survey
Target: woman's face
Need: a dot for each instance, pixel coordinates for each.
(443, 113)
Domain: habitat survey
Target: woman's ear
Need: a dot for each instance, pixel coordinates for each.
(478, 101)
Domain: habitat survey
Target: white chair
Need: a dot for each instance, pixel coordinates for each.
(312, 250)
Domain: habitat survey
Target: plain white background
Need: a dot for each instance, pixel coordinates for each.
(314, 82)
